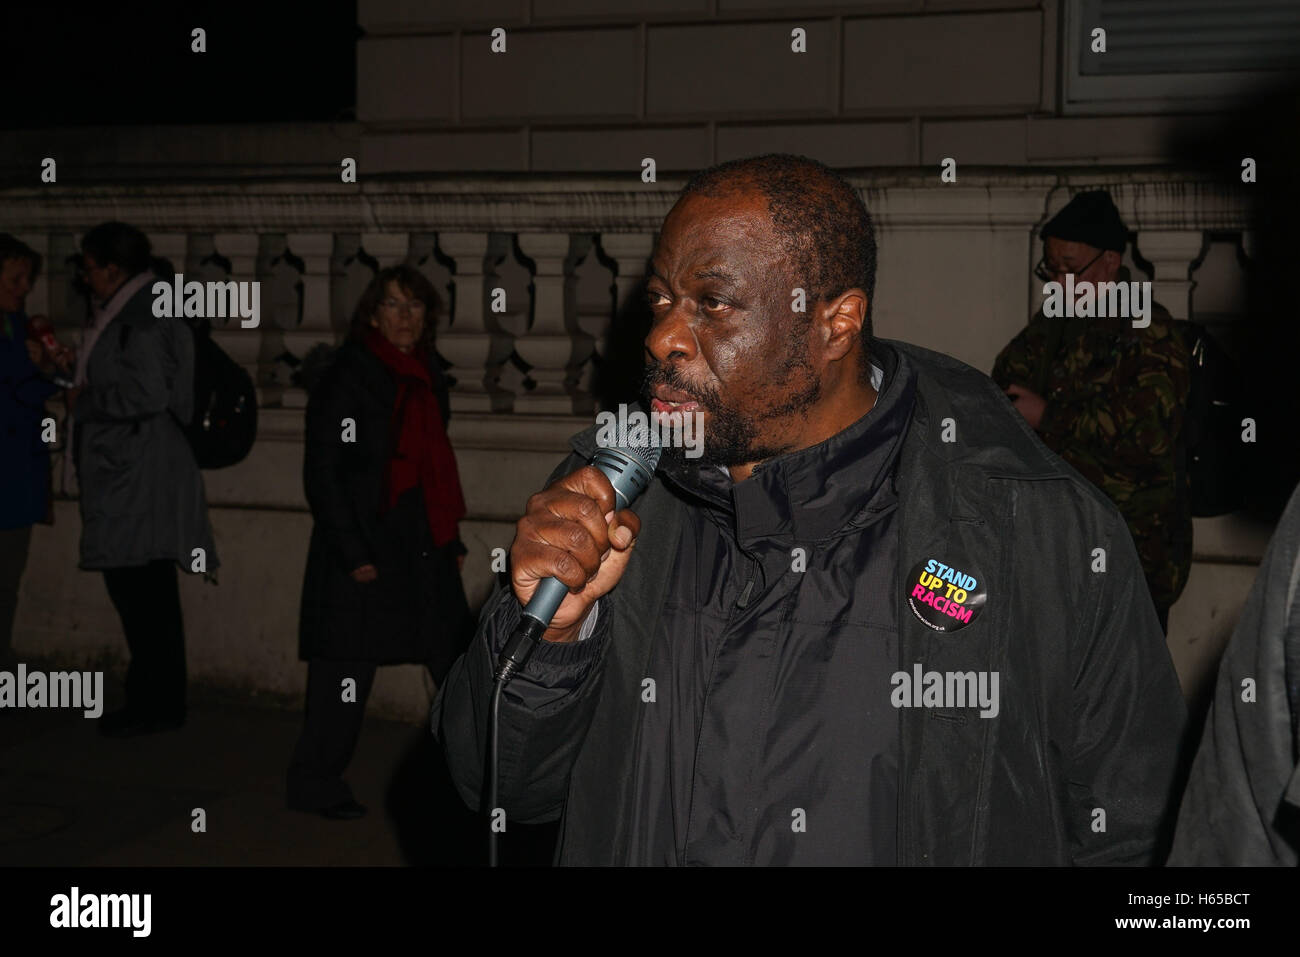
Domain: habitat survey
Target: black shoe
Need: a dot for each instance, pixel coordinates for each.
(128, 724)
(343, 811)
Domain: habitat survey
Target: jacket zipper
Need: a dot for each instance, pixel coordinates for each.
(747, 592)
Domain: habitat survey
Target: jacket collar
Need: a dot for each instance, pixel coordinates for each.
(988, 436)
(816, 493)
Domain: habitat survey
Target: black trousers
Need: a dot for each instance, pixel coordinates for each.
(148, 601)
(14, 543)
(330, 731)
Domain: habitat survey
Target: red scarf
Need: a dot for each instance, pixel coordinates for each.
(421, 453)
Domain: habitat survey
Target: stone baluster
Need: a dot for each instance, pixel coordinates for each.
(631, 252)
(242, 249)
(314, 251)
(1248, 243)
(273, 310)
(279, 273)
(429, 261)
(389, 249)
(587, 285)
(506, 316)
(548, 345)
(349, 276)
(467, 341)
(244, 345)
(1170, 253)
(173, 247)
(588, 289)
(197, 263)
(425, 258)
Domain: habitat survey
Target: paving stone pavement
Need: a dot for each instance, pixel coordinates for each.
(70, 797)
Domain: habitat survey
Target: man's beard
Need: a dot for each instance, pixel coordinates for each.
(735, 436)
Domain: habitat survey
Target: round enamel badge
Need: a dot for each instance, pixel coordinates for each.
(945, 595)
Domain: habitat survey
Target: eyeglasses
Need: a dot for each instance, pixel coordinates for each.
(1047, 274)
(412, 306)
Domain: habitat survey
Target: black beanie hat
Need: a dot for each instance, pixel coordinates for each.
(1089, 218)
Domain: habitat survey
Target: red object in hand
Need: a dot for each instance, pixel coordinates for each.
(39, 329)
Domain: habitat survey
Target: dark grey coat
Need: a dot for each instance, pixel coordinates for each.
(142, 493)
(1091, 712)
(1242, 804)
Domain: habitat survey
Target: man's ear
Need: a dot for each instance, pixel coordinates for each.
(842, 323)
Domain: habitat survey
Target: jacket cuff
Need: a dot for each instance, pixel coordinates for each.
(552, 665)
(352, 552)
(559, 653)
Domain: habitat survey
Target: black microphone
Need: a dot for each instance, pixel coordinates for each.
(630, 471)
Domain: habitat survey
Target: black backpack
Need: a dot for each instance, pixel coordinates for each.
(1212, 426)
(224, 425)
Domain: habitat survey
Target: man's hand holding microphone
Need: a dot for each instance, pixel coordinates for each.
(574, 532)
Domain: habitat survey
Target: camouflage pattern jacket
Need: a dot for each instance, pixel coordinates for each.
(1115, 400)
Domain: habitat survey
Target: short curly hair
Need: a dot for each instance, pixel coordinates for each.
(818, 215)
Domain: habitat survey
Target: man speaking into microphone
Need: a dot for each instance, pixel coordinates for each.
(876, 622)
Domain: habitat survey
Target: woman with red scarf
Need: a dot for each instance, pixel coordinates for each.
(382, 584)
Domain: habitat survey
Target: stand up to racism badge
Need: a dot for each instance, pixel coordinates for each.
(945, 596)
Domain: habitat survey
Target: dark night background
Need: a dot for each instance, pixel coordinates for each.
(99, 64)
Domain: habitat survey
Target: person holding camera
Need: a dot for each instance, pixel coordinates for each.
(29, 356)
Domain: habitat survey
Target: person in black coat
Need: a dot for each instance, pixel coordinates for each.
(382, 583)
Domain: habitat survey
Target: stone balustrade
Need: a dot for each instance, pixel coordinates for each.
(541, 275)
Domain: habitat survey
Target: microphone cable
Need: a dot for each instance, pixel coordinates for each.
(499, 687)
(629, 470)
(527, 634)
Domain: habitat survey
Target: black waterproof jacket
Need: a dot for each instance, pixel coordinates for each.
(1076, 767)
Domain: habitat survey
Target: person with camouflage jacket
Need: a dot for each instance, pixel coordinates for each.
(1109, 396)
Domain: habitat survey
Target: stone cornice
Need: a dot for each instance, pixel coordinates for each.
(982, 198)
